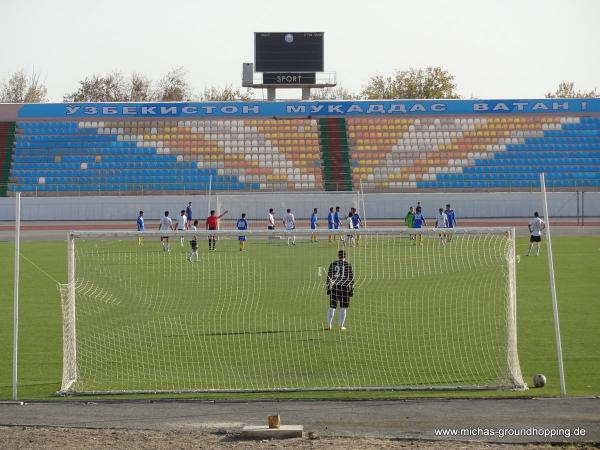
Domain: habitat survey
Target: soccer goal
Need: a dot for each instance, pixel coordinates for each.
(427, 312)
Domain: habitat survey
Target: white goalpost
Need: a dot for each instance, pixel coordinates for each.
(423, 315)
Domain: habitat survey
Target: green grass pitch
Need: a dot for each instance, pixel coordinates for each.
(44, 262)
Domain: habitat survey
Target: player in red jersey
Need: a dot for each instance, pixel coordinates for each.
(212, 223)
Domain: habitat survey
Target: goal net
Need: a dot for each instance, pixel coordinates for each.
(426, 312)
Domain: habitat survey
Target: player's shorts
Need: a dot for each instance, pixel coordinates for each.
(241, 238)
(331, 226)
(164, 237)
(194, 245)
(535, 239)
(417, 225)
(339, 296)
(313, 227)
(270, 227)
(336, 226)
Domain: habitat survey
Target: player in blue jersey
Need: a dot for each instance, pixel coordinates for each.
(331, 222)
(314, 224)
(188, 212)
(356, 223)
(451, 219)
(336, 218)
(242, 224)
(140, 227)
(418, 222)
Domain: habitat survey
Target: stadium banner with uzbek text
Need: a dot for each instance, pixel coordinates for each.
(308, 108)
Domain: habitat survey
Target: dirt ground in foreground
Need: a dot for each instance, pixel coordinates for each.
(25, 437)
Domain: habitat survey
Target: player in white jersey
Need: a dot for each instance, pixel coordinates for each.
(182, 225)
(350, 225)
(289, 222)
(536, 225)
(166, 224)
(270, 224)
(441, 221)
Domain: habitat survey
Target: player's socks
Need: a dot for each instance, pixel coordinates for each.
(342, 317)
(330, 314)
(537, 250)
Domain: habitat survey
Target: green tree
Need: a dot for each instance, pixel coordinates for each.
(431, 82)
(566, 89)
(23, 88)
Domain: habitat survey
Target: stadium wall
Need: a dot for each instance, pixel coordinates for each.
(376, 206)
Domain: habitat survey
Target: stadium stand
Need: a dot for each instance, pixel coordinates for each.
(474, 152)
(381, 153)
(7, 136)
(167, 155)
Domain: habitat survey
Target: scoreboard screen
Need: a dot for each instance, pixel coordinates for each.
(288, 52)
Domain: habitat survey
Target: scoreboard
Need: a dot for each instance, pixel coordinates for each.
(288, 52)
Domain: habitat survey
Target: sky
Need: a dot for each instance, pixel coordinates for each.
(495, 48)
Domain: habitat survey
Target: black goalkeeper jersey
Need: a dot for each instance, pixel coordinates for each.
(340, 275)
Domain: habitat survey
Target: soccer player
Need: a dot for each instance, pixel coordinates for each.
(451, 219)
(356, 222)
(182, 225)
(194, 246)
(340, 287)
(314, 225)
(166, 224)
(188, 212)
(140, 227)
(408, 220)
(271, 224)
(336, 218)
(289, 222)
(441, 221)
(212, 224)
(330, 223)
(418, 222)
(350, 225)
(242, 224)
(536, 225)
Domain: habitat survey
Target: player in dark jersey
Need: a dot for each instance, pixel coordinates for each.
(242, 224)
(340, 287)
(194, 252)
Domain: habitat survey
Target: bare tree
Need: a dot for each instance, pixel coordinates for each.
(174, 87)
(23, 88)
(111, 87)
(332, 93)
(225, 94)
(139, 88)
(431, 82)
(566, 89)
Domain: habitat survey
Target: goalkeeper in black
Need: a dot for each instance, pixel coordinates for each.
(340, 287)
